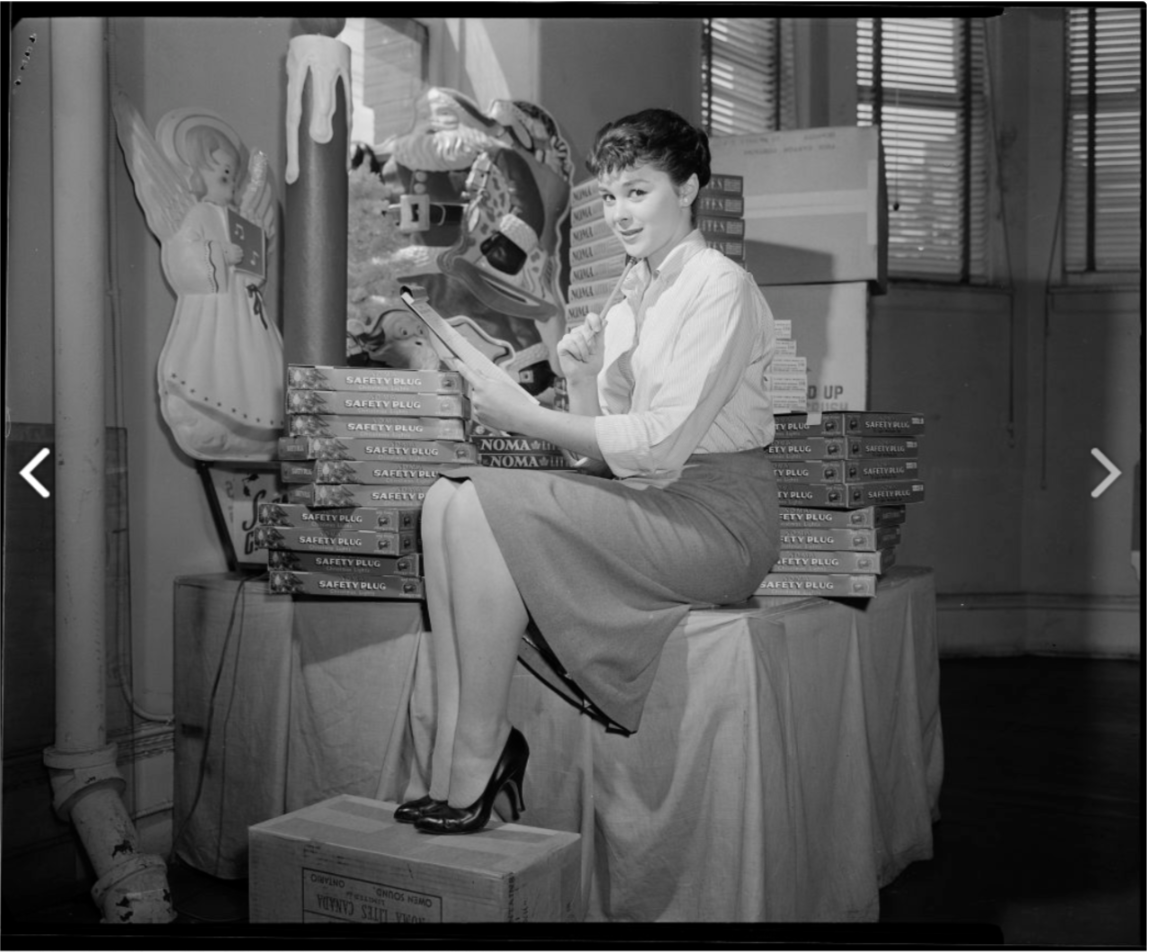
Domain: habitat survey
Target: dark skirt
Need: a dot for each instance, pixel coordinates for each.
(609, 568)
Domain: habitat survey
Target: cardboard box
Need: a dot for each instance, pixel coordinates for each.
(815, 203)
(373, 379)
(346, 860)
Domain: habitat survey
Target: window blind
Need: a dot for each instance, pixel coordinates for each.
(923, 81)
(1102, 217)
(747, 75)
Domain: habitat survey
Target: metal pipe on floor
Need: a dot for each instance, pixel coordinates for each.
(86, 784)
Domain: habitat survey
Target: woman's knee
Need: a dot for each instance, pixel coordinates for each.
(436, 503)
(439, 495)
(434, 513)
(463, 508)
(465, 522)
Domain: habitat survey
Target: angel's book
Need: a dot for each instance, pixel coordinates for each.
(249, 236)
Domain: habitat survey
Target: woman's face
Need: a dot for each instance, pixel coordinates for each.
(219, 177)
(643, 207)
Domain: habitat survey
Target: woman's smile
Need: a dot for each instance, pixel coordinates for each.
(645, 209)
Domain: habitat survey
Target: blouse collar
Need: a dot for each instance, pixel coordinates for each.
(641, 275)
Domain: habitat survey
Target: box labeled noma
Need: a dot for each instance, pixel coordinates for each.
(346, 860)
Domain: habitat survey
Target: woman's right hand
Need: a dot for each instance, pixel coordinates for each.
(581, 349)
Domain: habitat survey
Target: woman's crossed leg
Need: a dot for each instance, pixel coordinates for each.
(477, 620)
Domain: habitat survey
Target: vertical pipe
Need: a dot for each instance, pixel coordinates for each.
(315, 221)
(79, 233)
(86, 784)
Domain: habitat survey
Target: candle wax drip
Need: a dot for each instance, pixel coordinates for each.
(327, 61)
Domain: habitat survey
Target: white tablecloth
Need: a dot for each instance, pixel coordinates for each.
(310, 700)
(788, 763)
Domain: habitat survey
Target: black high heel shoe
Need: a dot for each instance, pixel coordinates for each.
(508, 775)
(410, 811)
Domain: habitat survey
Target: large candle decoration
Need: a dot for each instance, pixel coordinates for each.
(315, 226)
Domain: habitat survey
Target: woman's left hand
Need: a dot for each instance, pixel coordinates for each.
(497, 402)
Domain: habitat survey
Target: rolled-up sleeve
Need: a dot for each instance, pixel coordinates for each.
(702, 339)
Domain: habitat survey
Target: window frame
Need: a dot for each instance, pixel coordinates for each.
(1086, 276)
(780, 99)
(961, 102)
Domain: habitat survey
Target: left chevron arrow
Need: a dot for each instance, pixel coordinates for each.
(26, 472)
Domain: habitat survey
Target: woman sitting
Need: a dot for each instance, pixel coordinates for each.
(667, 398)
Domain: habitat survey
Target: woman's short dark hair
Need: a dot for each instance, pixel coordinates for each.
(656, 137)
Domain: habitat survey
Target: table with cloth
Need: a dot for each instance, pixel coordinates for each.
(788, 763)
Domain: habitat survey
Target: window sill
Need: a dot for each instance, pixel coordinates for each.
(1099, 281)
(925, 284)
(1092, 299)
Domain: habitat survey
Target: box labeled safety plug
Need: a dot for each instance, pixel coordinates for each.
(346, 860)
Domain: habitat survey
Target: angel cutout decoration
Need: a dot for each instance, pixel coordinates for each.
(213, 209)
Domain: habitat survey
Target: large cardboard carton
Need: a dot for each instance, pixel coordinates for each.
(815, 203)
(346, 860)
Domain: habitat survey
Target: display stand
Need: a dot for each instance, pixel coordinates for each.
(788, 763)
(280, 703)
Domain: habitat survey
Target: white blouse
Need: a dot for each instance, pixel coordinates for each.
(694, 382)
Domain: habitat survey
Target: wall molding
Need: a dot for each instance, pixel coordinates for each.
(1039, 623)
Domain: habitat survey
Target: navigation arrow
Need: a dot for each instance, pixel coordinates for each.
(26, 472)
(1114, 472)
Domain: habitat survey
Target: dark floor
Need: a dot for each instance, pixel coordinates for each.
(1043, 813)
(1042, 831)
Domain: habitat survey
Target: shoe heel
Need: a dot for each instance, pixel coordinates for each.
(514, 791)
(507, 779)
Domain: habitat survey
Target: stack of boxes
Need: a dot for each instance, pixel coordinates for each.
(721, 219)
(597, 256)
(786, 375)
(844, 482)
(508, 451)
(815, 236)
(721, 216)
(362, 447)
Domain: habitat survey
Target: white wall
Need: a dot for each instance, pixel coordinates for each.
(1019, 383)
(28, 327)
(234, 66)
(594, 70)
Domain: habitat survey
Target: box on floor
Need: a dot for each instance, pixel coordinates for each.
(346, 860)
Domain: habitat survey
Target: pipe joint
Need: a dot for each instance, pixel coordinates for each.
(135, 891)
(74, 774)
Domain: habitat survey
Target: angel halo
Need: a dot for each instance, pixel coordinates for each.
(189, 136)
(220, 373)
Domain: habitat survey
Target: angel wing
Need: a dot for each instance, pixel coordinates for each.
(160, 188)
(258, 203)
